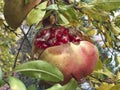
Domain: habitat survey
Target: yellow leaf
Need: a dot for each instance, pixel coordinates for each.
(105, 72)
(115, 29)
(105, 86)
(99, 65)
(118, 58)
(116, 87)
(37, 14)
(118, 75)
(108, 37)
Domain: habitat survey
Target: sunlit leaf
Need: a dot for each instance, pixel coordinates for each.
(118, 77)
(116, 87)
(94, 13)
(105, 72)
(36, 14)
(107, 5)
(16, 84)
(40, 69)
(71, 16)
(90, 31)
(52, 7)
(105, 86)
(63, 19)
(99, 65)
(118, 59)
(115, 29)
(117, 20)
(72, 85)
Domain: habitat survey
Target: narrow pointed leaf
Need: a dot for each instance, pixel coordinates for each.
(41, 70)
(37, 14)
(107, 5)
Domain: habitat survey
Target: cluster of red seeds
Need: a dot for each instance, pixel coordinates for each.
(55, 36)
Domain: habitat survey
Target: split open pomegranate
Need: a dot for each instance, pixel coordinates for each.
(69, 49)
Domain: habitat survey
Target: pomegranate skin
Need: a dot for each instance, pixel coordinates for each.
(75, 61)
(68, 49)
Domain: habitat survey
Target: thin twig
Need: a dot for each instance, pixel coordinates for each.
(102, 33)
(25, 36)
(106, 44)
(20, 48)
(11, 30)
(108, 80)
(96, 78)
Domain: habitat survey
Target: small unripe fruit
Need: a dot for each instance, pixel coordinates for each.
(15, 11)
(71, 51)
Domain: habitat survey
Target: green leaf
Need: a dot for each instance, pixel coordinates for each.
(37, 14)
(94, 13)
(16, 84)
(72, 85)
(117, 20)
(52, 7)
(0, 74)
(32, 87)
(115, 29)
(105, 72)
(62, 19)
(107, 5)
(42, 70)
(69, 14)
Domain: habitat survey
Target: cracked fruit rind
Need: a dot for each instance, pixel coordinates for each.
(68, 49)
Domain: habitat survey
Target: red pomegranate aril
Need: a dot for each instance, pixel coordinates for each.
(52, 35)
(55, 36)
(44, 32)
(62, 29)
(71, 37)
(39, 35)
(65, 39)
(78, 39)
(58, 43)
(59, 34)
(52, 28)
(66, 32)
(44, 45)
(51, 42)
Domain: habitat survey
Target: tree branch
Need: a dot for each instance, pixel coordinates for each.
(20, 48)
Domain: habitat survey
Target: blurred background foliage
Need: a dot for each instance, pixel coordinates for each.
(7, 40)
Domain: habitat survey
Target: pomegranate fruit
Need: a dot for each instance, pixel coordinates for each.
(15, 11)
(70, 50)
